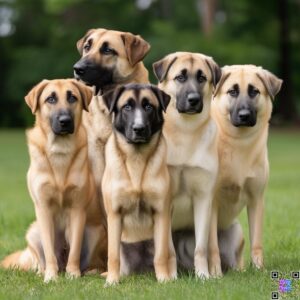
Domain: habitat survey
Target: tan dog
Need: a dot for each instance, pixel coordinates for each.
(70, 222)
(242, 108)
(189, 78)
(108, 58)
(136, 181)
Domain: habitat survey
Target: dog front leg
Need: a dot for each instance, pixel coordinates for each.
(77, 224)
(46, 225)
(202, 213)
(214, 259)
(255, 210)
(162, 224)
(114, 226)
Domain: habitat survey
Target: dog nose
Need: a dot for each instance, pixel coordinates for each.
(244, 115)
(79, 69)
(65, 120)
(138, 128)
(193, 98)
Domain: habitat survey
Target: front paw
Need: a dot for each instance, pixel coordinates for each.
(50, 275)
(258, 261)
(73, 273)
(215, 271)
(112, 280)
(202, 274)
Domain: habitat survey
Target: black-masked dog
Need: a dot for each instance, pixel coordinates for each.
(109, 58)
(136, 180)
(70, 232)
(242, 109)
(191, 135)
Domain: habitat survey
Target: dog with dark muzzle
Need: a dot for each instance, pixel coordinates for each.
(191, 135)
(135, 184)
(70, 232)
(242, 108)
(108, 58)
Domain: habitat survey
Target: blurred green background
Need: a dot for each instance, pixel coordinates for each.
(38, 38)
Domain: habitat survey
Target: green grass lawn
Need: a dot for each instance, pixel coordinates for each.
(281, 237)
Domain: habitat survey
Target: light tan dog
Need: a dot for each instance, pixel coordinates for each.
(70, 229)
(136, 180)
(189, 78)
(109, 58)
(242, 108)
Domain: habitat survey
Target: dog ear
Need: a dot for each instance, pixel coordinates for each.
(80, 43)
(162, 97)
(111, 97)
(221, 82)
(215, 70)
(136, 47)
(271, 82)
(86, 93)
(32, 98)
(162, 67)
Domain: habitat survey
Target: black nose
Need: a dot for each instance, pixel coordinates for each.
(193, 98)
(244, 115)
(79, 69)
(65, 120)
(138, 128)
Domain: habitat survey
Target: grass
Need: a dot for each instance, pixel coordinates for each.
(281, 237)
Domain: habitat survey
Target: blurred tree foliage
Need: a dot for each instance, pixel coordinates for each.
(39, 39)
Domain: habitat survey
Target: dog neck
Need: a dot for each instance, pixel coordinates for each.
(133, 151)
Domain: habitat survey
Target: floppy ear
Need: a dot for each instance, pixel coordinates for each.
(221, 82)
(86, 93)
(80, 43)
(136, 47)
(162, 67)
(32, 98)
(111, 97)
(215, 70)
(162, 97)
(271, 82)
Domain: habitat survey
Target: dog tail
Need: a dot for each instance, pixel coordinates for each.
(23, 260)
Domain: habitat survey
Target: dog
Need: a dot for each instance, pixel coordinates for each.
(191, 135)
(136, 181)
(109, 58)
(69, 232)
(242, 108)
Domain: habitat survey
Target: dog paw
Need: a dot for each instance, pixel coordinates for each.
(111, 280)
(215, 271)
(202, 274)
(73, 274)
(258, 262)
(50, 275)
(162, 278)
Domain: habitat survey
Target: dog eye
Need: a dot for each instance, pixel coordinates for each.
(127, 107)
(72, 99)
(233, 93)
(87, 46)
(51, 100)
(107, 50)
(201, 78)
(253, 92)
(181, 78)
(148, 107)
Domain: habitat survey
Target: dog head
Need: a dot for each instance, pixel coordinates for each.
(244, 94)
(58, 104)
(108, 56)
(189, 78)
(138, 110)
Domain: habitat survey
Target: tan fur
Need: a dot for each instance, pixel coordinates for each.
(62, 187)
(128, 68)
(192, 151)
(243, 157)
(137, 199)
